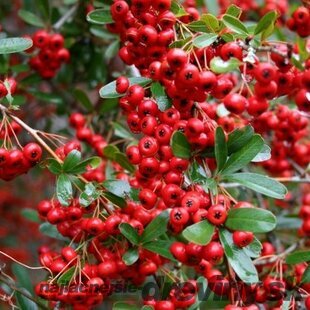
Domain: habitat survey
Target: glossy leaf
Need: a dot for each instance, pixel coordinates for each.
(72, 159)
(204, 40)
(51, 231)
(66, 276)
(159, 94)
(211, 21)
(64, 189)
(31, 215)
(218, 65)
(118, 187)
(89, 195)
(239, 138)
(298, 257)
(121, 132)
(306, 276)
(251, 219)
(130, 233)
(82, 97)
(196, 173)
(118, 201)
(92, 162)
(100, 17)
(235, 24)
(220, 148)
(30, 18)
(23, 277)
(156, 228)
(259, 183)
(233, 10)
(122, 160)
(124, 306)
(265, 21)
(24, 302)
(238, 259)
(130, 256)
(199, 233)
(160, 247)
(263, 155)
(14, 45)
(180, 145)
(254, 249)
(241, 158)
(109, 91)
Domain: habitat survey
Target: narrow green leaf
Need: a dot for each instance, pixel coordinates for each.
(24, 302)
(239, 138)
(180, 145)
(298, 257)
(44, 7)
(177, 9)
(241, 158)
(100, 17)
(196, 173)
(82, 97)
(220, 148)
(130, 256)
(211, 21)
(218, 65)
(64, 189)
(118, 201)
(66, 277)
(238, 259)
(263, 155)
(200, 233)
(72, 159)
(109, 91)
(51, 231)
(23, 277)
(156, 228)
(118, 187)
(130, 233)
(159, 93)
(112, 50)
(234, 10)
(122, 160)
(14, 45)
(253, 249)
(234, 24)
(198, 26)
(160, 247)
(251, 219)
(121, 132)
(124, 306)
(31, 215)
(265, 21)
(31, 18)
(306, 276)
(205, 40)
(92, 162)
(259, 183)
(89, 195)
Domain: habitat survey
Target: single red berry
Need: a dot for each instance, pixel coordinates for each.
(217, 214)
(242, 238)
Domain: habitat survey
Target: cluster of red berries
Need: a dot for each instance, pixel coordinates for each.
(13, 161)
(48, 52)
(304, 214)
(300, 21)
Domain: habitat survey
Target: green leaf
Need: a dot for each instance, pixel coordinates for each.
(23, 277)
(241, 158)
(89, 195)
(160, 247)
(120, 188)
(177, 9)
(109, 91)
(156, 228)
(199, 233)
(24, 302)
(306, 276)
(205, 40)
(235, 24)
(64, 189)
(298, 257)
(220, 148)
(179, 43)
(118, 201)
(130, 256)
(93, 162)
(238, 259)
(82, 97)
(285, 223)
(180, 145)
(112, 50)
(233, 10)
(108, 105)
(124, 306)
(51, 231)
(159, 94)
(130, 233)
(14, 45)
(100, 17)
(218, 65)
(253, 249)
(198, 26)
(239, 138)
(122, 160)
(202, 289)
(263, 155)
(48, 97)
(259, 183)
(121, 132)
(268, 19)
(66, 276)
(212, 22)
(31, 215)
(196, 173)
(72, 159)
(251, 219)
(44, 7)
(31, 18)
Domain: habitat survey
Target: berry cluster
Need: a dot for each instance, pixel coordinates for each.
(300, 22)
(48, 53)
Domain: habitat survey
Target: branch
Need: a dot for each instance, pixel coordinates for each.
(65, 17)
